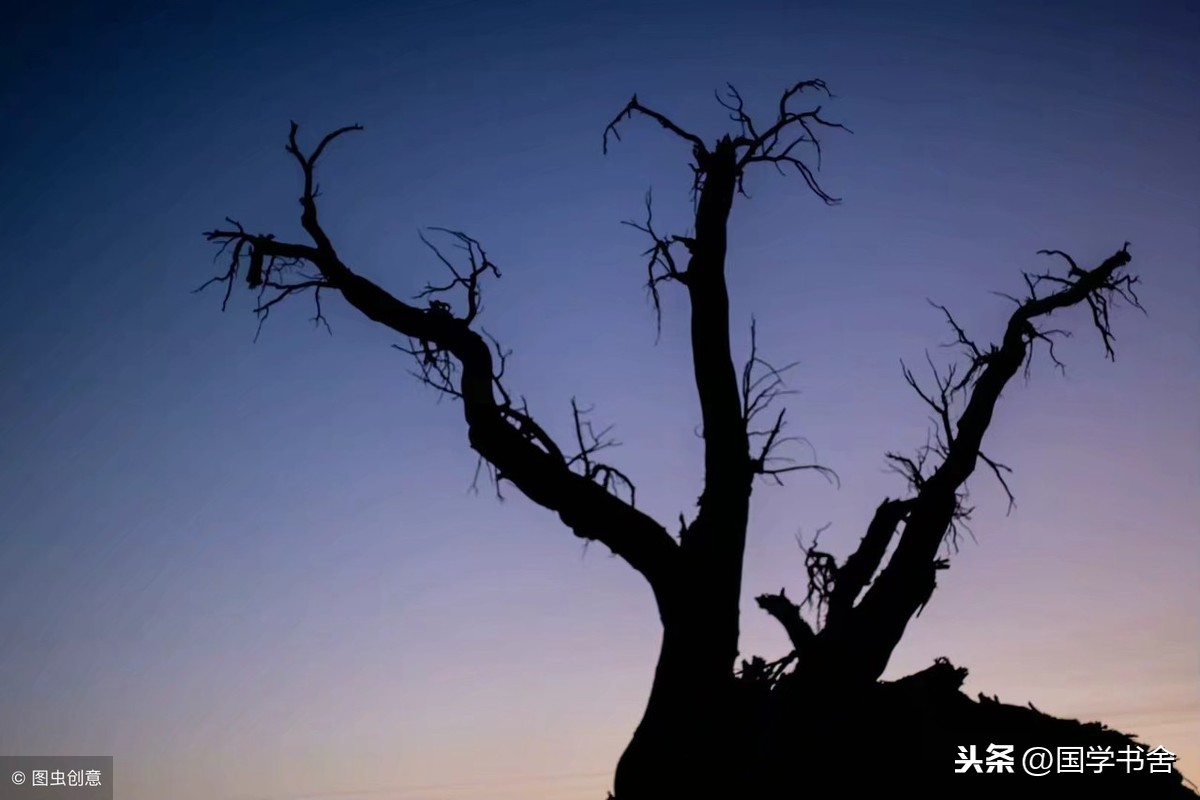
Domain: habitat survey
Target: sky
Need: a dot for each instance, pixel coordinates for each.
(256, 569)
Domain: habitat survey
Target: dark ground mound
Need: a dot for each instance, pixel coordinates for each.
(907, 738)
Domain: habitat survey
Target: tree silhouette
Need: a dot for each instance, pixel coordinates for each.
(712, 728)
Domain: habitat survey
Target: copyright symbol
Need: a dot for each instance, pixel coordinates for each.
(18, 778)
(1037, 761)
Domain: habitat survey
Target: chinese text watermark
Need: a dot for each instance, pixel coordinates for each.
(56, 778)
(1038, 761)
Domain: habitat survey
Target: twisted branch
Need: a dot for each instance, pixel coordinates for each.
(462, 363)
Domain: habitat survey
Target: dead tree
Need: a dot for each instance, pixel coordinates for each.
(692, 739)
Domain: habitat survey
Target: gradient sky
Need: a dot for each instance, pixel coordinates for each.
(255, 570)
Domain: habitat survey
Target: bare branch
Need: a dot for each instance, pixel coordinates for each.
(791, 129)
(479, 265)
(462, 363)
(1098, 288)
(634, 107)
(978, 359)
(758, 392)
(737, 111)
(759, 672)
(998, 470)
(263, 309)
(903, 587)
(787, 613)
(308, 199)
(275, 269)
(775, 145)
(822, 574)
(661, 265)
(762, 384)
(941, 404)
(1075, 270)
(590, 442)
(861, 565)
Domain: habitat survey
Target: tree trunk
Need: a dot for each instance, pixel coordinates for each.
(682, 747)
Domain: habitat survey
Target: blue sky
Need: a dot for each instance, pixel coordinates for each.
(255, 569)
